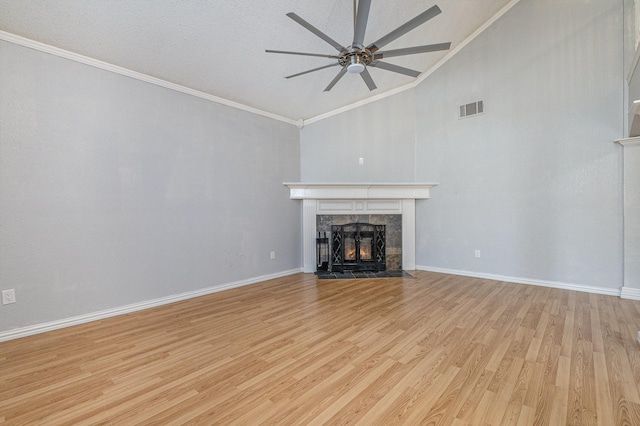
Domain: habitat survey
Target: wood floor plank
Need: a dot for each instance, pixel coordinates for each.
(604, 404)
(430, 349)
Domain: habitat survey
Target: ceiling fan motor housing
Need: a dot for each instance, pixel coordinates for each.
(355, 59)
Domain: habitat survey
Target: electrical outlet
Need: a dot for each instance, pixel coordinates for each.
(8, 296)
(272, 255)
(361, 161)
(477, 254)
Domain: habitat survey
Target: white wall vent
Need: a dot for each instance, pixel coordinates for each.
(471, 109)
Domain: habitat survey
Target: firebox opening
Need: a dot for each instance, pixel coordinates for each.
(357, 247)
(359, 243)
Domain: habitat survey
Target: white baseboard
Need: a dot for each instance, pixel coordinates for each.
(626, 293)
(630, 293)
(516, 280)
(81, 319)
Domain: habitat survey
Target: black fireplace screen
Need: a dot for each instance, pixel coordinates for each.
(358, 247)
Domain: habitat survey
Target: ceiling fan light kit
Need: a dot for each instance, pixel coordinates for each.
(355, 68)
(355, 59)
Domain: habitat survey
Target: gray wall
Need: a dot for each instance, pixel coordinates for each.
(632, 90)
(114, 191)
(382, 133)
(535, 182)
(630, 46)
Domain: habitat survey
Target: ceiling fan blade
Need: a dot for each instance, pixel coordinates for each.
(361, 23)
(368, 80)
(342, 72)
(405, 28)
(315, 69)
(286, 52)
(316, 31)
(412, 50)
(395, 68)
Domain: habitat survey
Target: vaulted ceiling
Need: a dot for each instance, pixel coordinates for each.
(218, 47)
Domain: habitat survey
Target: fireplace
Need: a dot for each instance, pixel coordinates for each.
(359, 242)
(358, 247)
(347, 199)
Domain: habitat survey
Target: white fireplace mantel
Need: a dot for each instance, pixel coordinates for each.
(359, 191)
(359, 198)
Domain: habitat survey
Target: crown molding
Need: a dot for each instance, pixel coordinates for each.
(466, 41)
(300, 123)
(359, 103)
(629, 141)
(422, 76)
(45, 48)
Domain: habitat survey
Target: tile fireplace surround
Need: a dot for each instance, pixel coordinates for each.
(356, 199)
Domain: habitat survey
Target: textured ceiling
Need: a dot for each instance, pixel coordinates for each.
(218, 47)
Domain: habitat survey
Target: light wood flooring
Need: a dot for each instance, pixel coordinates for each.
(434, 349)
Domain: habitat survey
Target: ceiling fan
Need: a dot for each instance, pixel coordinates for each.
(356, 57)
